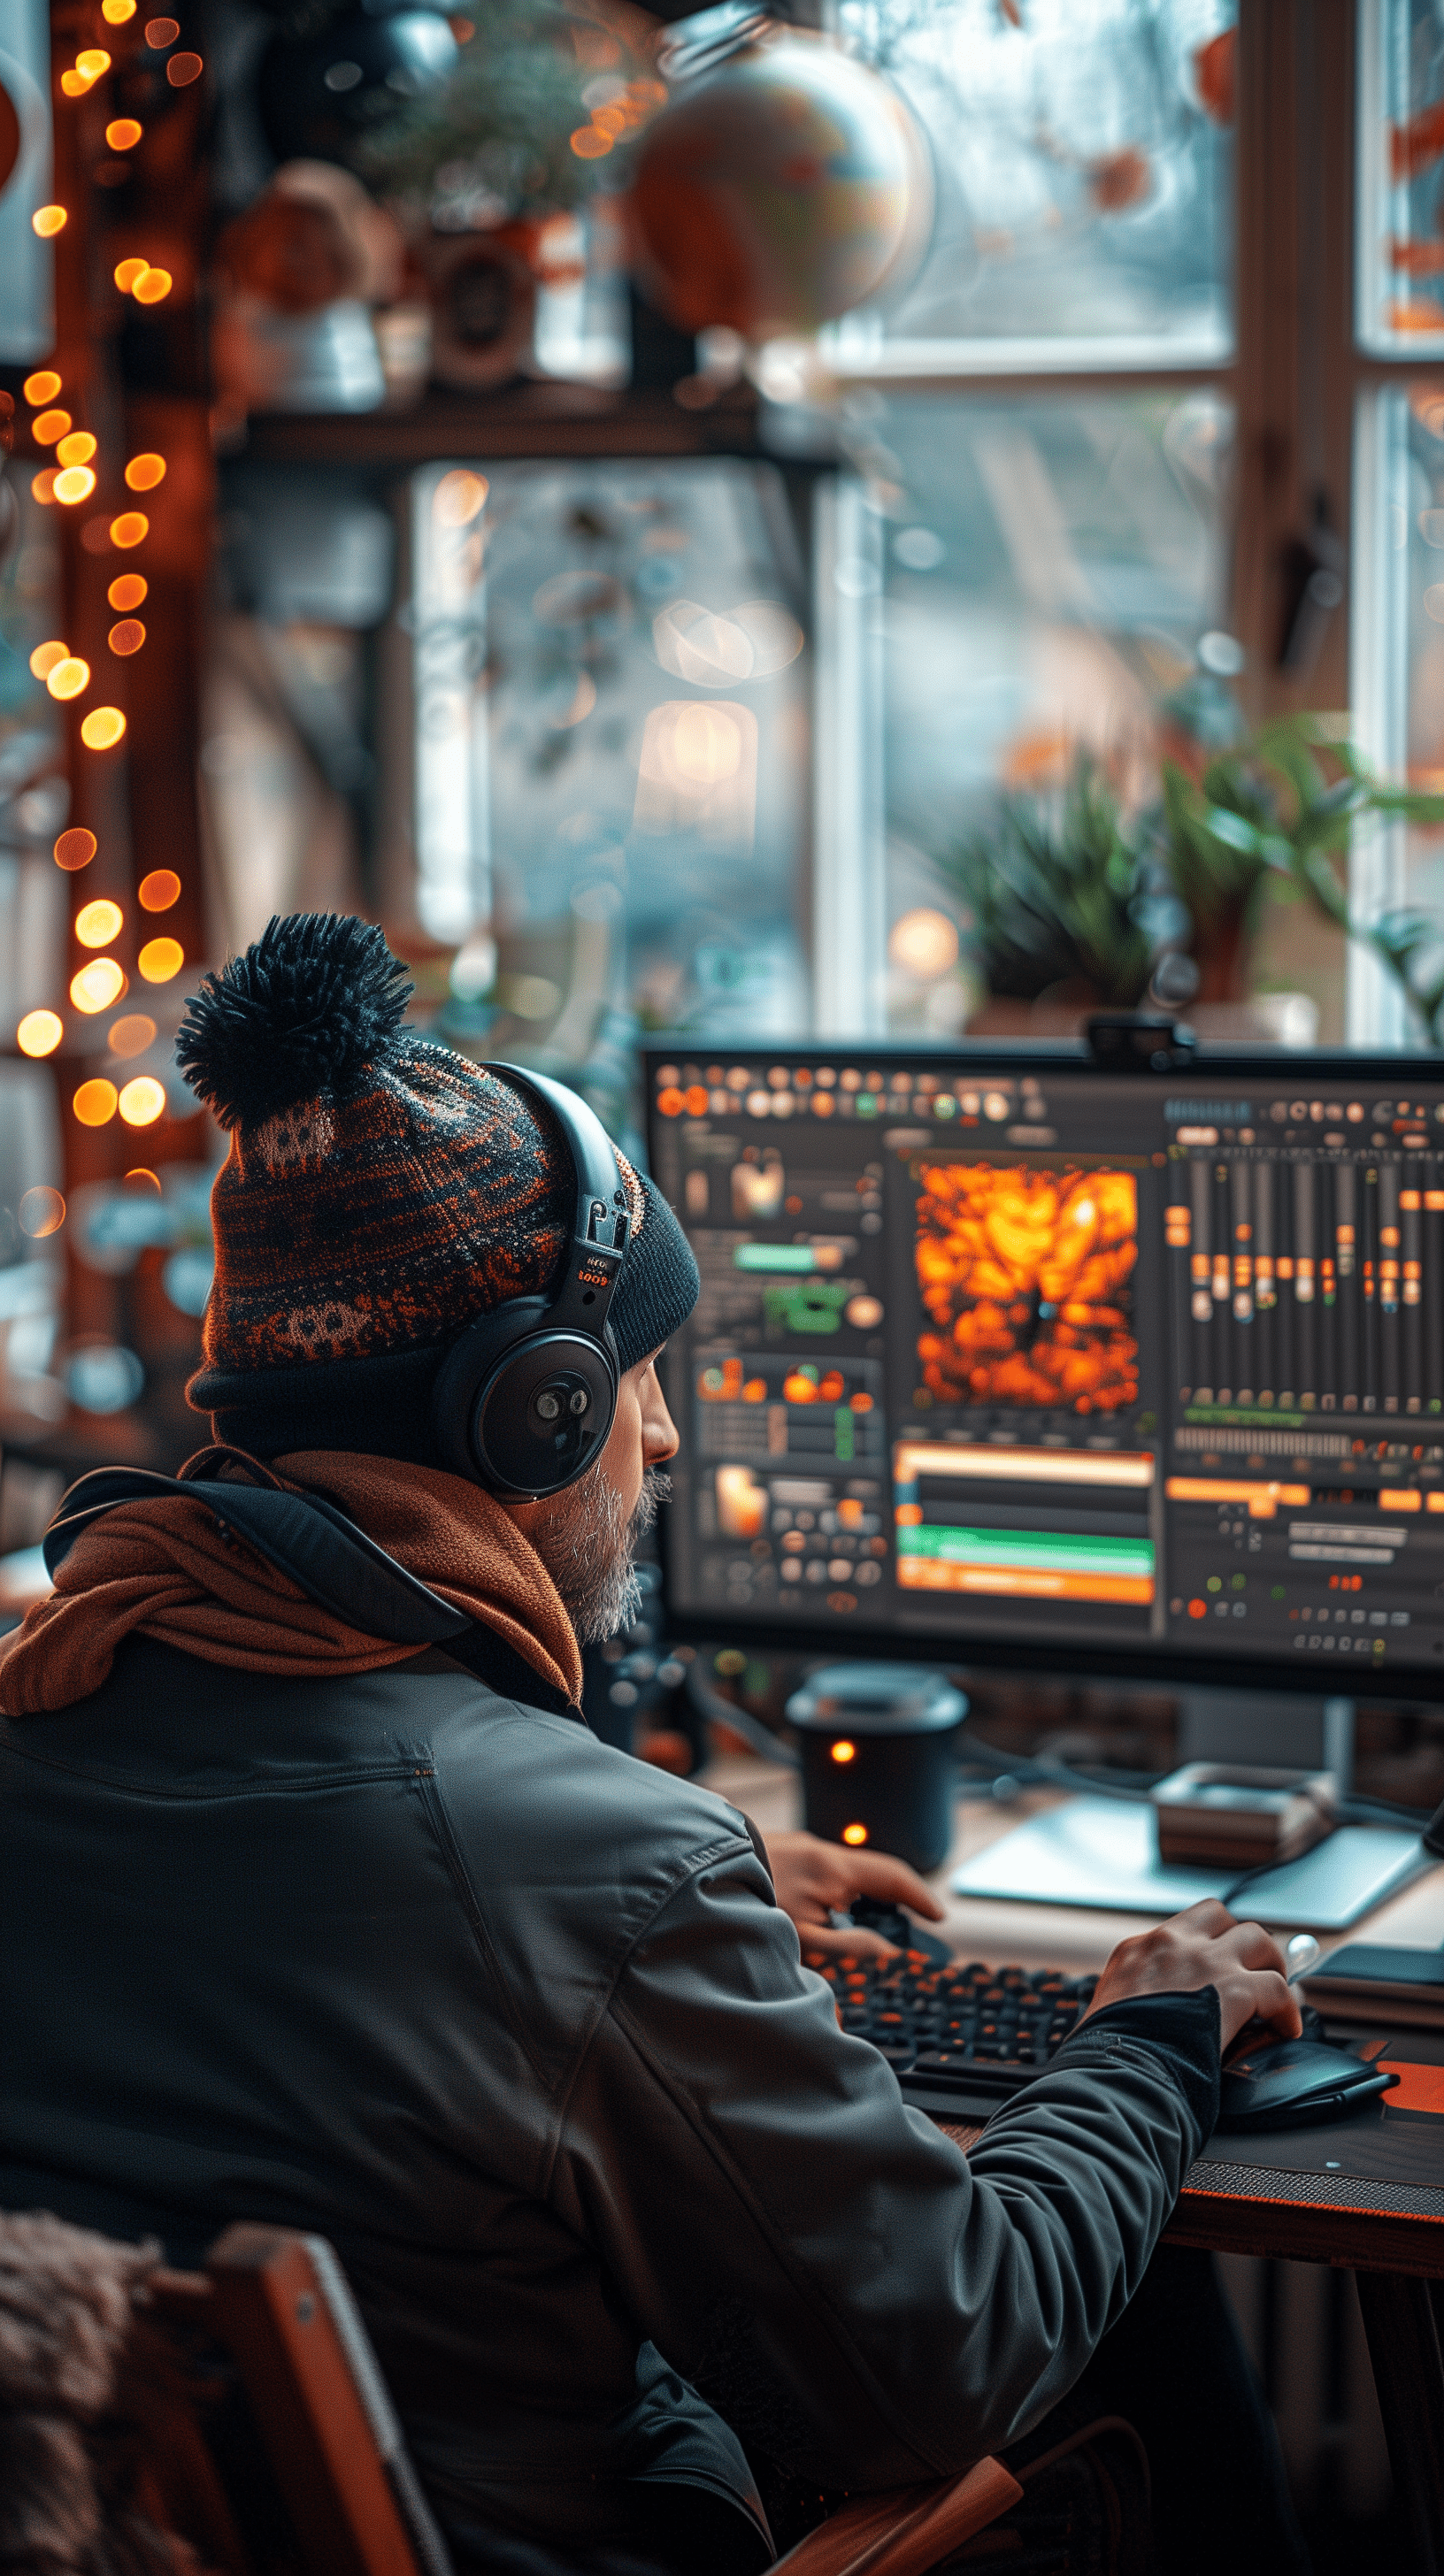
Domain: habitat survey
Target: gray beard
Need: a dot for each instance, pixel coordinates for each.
(587, 1549)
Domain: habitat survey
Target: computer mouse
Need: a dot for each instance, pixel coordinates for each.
(874, 1914)
(1283, 2082)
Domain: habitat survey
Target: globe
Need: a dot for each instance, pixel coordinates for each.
(780, 191)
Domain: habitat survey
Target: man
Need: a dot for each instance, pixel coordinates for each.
(302, 1924)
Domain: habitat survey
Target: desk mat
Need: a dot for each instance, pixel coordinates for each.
(1388, 2155)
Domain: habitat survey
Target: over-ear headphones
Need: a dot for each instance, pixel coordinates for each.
(525, 1399)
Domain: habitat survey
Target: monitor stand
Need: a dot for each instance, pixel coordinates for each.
(1103, 1852)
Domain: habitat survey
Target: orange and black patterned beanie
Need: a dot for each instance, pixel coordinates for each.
(380, 1193)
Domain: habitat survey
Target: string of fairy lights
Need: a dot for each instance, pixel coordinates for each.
(101, 982)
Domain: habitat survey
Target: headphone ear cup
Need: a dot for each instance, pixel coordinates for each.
(465, 1370)
(522, 1408)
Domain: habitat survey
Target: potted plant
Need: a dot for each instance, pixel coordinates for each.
(1267, 810)
(489, 168)
(1060, 910)
(1067, 905)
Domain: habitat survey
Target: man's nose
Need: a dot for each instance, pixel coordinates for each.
(660, 1437)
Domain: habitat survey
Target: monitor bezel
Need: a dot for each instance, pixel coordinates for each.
(1114, 1662)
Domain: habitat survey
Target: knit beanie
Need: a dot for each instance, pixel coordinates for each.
(380, 1193)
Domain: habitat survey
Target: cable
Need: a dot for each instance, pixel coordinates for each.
(1138, 1786)
(1135, 1787)
(711, 1705)
(1380, 1811)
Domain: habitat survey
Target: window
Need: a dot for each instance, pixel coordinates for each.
(1398, 624)
(1035, 576)
(1167, 395)
(1083, 154)
(610, 684)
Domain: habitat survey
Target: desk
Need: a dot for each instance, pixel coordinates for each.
(1364, 2195)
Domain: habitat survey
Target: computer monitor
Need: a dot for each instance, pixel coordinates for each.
(1001, 1357)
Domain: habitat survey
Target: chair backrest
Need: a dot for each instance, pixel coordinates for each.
(239, 2411)
(283, 2308)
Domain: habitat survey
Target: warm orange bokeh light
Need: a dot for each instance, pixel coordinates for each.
(115, 14)
(127, 637)
(124, 133)
(48, 426)
(128, 271)
(142, 1101)
(47, 221)
(132, 1035)
(39, 1033)
(97, 985)
(160, 959)
(74, 84)
(144, 472)
(182, 69)
(589, 143)
(46, 656)
(141, 1177)
(127, 591)
(159, 890)
(95, 1102)
(102, 729)
(42, 387)
(458, 497)
(153, 287)
(75, 848)
(161, 32)
(68, 678)
(75, 449)
(41, 1212)
(130, 529)
(42, 488)
(93, 63)
(854, 1834)
(96, 924)
(842, 1751)
(75, 484)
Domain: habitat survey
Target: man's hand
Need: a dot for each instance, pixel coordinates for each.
(1206, 1947)
(814, 1879)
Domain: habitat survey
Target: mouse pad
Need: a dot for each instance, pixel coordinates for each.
(1395, 2137)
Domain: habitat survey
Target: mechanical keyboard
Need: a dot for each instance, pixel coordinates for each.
(960, 2038)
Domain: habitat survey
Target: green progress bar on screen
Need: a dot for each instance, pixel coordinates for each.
(777, 1256)
(1060, 1552)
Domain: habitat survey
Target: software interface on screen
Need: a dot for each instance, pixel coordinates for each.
(1064, 1356)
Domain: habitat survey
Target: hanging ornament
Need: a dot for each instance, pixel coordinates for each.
(784, 185)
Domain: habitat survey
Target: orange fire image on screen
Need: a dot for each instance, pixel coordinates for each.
(1025, 1275)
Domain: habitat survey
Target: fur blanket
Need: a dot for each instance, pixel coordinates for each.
(66, 2310)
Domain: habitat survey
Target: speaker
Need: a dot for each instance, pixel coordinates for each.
(879, 1757)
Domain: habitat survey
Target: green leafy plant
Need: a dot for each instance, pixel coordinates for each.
(1269, 810)
(1054, 894)
(498, 131)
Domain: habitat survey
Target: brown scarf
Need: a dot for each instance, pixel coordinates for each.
(165, 1569)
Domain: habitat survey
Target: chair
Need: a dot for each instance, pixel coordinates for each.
(238, 2422)
(906, 2532)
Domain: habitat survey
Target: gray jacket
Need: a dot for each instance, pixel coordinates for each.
(517, 2023)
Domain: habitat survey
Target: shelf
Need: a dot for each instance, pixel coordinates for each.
(519, 420)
